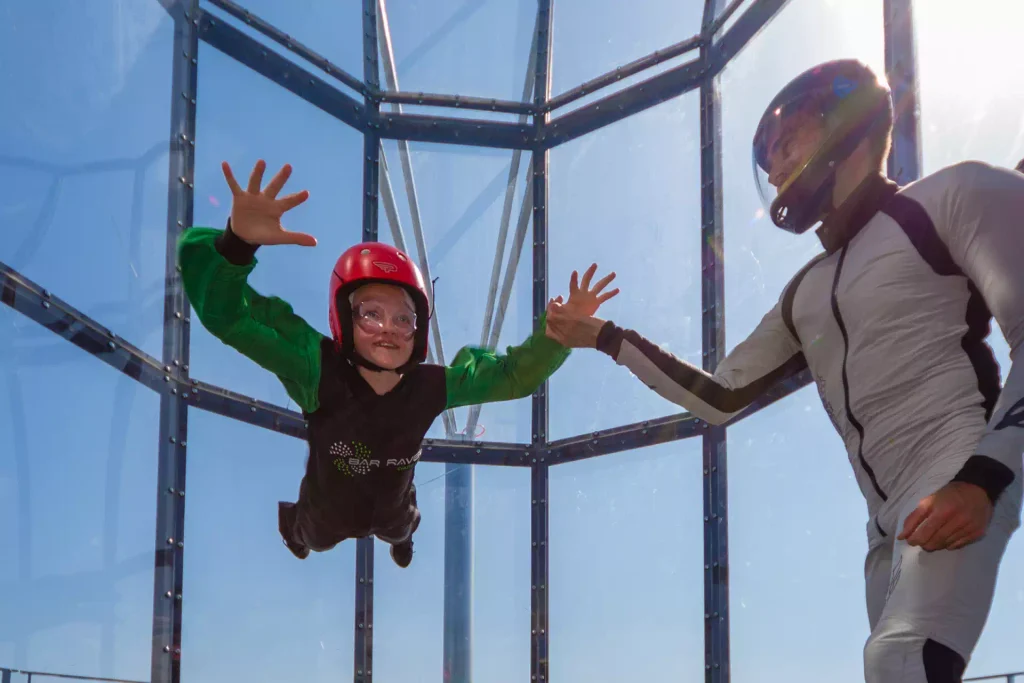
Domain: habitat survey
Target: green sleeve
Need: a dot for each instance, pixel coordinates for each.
(479, 375)
(265, 329)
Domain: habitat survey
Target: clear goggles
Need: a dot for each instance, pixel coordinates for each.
(374, 317)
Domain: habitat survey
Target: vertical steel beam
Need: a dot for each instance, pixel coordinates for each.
(371, 138)
(457, 653)
(901, 72)
(716, 558)
(363, 660)
(170, 510)
(539, 411)
(363, 663)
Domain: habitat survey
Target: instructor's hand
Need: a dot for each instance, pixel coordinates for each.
(256, 215)
(956, 515)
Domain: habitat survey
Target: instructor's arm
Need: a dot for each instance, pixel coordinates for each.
(769, 355)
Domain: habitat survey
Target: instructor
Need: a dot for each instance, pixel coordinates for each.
(891, 319)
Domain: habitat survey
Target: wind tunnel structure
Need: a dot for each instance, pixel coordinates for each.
(499, 192)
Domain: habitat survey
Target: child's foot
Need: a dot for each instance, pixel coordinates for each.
(286, 514)
(401, 553)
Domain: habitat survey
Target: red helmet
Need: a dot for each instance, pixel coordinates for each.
(377, 262)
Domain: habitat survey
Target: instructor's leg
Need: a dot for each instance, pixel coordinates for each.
(877, 570)
(938, 603)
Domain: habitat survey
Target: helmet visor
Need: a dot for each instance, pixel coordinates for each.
(787, 141)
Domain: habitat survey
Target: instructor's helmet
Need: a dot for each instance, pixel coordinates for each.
(372, 262)
(850, 104)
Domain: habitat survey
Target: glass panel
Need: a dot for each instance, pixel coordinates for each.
(561, 109)
(462, 193)
(724, 5)
(466, 48)
(627, 569)
(773, 454)
(984, 123)
(628, 198)
(409, 604)
(251, 610)
(501, 575)
(77, 509)
(83, 171)
(326, 157)
(333, 30)
(593, 37)
(736, 9)
(970, 106)
(776, 516)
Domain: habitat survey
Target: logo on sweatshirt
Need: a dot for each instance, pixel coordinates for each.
(357, 459)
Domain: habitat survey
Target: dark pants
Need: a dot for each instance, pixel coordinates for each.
(393, 523)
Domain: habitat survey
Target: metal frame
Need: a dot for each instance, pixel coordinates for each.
(535, 131)
(363, 659)
(716, 536)
(904, 165)
(170, 510)
(539, 480)
(524, 135)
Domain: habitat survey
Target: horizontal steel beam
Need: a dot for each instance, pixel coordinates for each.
(455, 102)
(661, 430)
(627, 437)
(455, 131)
(73, 677)
(225, 402)
(476, 453)
(64, 320)
(321, 94)
(284, 72)
(291, 45)
(627, 102)
(750, 23)
(625, 71)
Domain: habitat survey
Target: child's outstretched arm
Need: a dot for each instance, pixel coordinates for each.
(215, 265)
(482, 376)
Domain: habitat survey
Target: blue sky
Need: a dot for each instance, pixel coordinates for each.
(92, 84)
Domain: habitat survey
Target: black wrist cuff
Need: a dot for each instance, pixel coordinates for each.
(234, 249)
(609, 339)
(988, 473)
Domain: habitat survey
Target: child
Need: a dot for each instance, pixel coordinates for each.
(365, 391)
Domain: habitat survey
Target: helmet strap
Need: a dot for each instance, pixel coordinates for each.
(357, 359)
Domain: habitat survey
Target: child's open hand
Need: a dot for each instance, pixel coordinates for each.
(572, 323)
(584, 301)
(256, 216)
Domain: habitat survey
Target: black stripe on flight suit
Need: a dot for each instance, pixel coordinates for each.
(942, 664)
(846, 382)
(790, 295)
(917, 225)
(692, 379)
